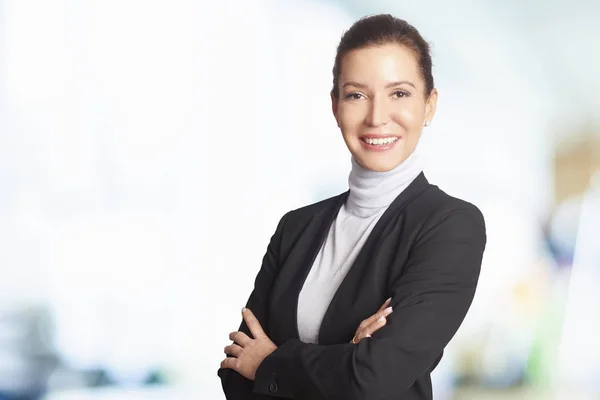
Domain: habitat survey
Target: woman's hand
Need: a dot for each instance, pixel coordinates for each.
(373, 323)
(248, 353)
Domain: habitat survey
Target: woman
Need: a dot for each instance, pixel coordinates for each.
(317, 324)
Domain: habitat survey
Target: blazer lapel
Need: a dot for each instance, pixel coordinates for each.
(284, 298)
(336, 321)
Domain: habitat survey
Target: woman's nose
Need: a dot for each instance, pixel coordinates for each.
(378, 113)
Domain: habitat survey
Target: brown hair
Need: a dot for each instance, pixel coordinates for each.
(383, 29)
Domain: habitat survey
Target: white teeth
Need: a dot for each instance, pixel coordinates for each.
(381, 141)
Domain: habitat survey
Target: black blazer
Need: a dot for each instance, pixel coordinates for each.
(425, 253)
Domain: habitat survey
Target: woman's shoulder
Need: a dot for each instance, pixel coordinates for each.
(438, 200)
(436, 207)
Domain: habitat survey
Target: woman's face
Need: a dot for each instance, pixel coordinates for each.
(382, 106)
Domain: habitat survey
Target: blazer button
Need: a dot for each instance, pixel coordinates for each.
(273, 388)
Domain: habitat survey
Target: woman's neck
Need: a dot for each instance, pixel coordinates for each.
(371, 191)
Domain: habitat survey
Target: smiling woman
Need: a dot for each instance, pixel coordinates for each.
(359, 294)
(383, 93)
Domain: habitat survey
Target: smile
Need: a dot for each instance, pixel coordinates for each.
(382, 141)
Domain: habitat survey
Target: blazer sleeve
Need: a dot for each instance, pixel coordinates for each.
(236, 386)
(430, 300)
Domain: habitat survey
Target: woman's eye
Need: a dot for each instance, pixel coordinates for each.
(401, 93)
(354, 96)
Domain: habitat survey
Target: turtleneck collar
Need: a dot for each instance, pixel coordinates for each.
(372, 191)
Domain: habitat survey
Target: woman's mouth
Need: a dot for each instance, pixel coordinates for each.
(378, 143)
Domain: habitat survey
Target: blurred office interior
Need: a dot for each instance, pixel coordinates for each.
(133, 134)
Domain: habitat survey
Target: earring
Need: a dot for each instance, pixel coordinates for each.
(427, 123)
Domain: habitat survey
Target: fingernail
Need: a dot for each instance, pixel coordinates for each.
(381, 319)
(388, 310)
(244, 310)
(390, 299)
(368, 335)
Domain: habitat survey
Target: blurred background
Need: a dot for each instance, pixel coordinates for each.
(135, 134)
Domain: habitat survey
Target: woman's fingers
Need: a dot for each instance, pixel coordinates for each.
(378, 315)
(233, 350)
(387, 303)
(240, 338)
(368, 330)
(255, 329)
(231, 363)
(374, 322)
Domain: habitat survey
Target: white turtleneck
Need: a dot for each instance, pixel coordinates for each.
(370, 195)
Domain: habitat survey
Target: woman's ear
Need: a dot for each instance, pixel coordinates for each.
(431, 105)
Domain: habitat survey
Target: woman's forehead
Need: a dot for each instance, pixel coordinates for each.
(380, 65)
